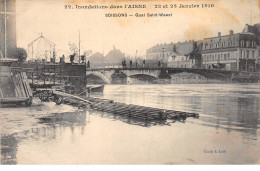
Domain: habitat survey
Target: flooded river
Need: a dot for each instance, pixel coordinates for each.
(227, 131)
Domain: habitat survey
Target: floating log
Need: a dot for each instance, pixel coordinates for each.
(136, 111)
(126, 110)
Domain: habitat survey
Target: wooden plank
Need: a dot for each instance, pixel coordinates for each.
(69, 95)
(7, 87)
(24, 92)
(16, 90)
(26, 84)
(19, 85)
(1, 93)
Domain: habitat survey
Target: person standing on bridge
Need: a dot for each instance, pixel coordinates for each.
(88, 64)
(130, 63)
(123, 64)
(72, 57)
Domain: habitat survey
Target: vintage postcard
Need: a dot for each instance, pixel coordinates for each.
(129, 82)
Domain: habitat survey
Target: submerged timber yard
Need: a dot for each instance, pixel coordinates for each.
(192, 102)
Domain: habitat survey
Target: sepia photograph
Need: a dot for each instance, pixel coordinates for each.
(129, 82)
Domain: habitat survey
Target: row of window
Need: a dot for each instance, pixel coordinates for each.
(244, 54)
(218, 45)
(243, 43)
(216, 57)
(247, 44)
(158, 55)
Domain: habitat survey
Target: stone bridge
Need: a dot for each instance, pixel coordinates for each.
(107, 74)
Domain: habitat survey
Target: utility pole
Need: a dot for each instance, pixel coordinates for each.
(79, 47)
(5, 30)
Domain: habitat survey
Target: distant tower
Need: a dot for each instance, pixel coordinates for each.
(7, 28)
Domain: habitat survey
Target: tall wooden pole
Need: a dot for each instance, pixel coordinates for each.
(5, 31)
(79, 47)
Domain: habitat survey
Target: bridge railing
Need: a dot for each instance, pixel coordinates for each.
(119, 65)
(104, 65)
(100, 66)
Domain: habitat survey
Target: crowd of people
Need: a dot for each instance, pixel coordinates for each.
(125, 64)
(143, 64)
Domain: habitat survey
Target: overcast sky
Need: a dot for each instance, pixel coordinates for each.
(99, 33)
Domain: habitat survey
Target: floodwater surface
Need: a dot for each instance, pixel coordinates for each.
(227, 131)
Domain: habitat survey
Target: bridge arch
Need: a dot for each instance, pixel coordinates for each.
(142, 72)
(101, 76)
(203, 72)
(141, 78)
(150, 77)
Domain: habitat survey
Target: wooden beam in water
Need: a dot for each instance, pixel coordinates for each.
(128, 110)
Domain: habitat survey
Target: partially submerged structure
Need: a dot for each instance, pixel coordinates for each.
(14, 85)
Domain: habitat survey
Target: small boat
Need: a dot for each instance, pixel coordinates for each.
(99, 88)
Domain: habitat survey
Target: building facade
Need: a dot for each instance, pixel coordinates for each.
(159, 52)
(7, 28)
(185, 55)
(236, 52)
(258, 58)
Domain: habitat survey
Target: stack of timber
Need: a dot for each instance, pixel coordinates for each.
(138, 112)
(125, 112)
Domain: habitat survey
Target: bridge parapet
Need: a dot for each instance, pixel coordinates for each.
(156, 72)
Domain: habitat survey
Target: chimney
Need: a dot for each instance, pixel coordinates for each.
(246, 29)
(231, 32)
(219, 34)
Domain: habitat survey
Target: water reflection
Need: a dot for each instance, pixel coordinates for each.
(52, 122)
(232, 114)
(8, 149)
(78, 117)
(55, 123)
(229, 107)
